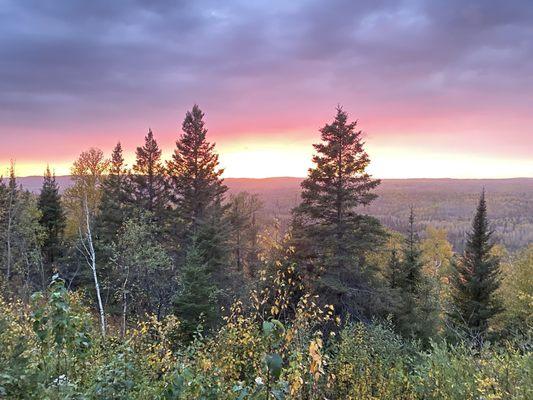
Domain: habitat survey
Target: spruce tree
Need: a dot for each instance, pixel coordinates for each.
(148, 183)
(330, 234)
(195, 173)
(195, 302)
(113, 205)
(415, 311)
(412, 259)
(52, 218)
(475, 278)
(9, 216)
(395, 270)
(213, 241)
(198, 191)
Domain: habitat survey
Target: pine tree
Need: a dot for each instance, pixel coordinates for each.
(148, 183)
(412, 259)
(195, 173)
(212, 240)
(10, 212)
(113, 205)
(52, 218)
(198, 191)
(242, 219)
(329, 232)
(194, 304)
(415, 311)
(395, 270)
(476, 278)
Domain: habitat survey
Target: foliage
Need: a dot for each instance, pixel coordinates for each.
(195, 301)
(206, 300)
(50, 349)
(21, 240)
(194, 172)
(330, 234)
(242, 217)
(415, 313)
(88, 173)
(52, 218)
(141, 262)
(516, 291)
(147, 181)
(112, 207)
(476, 278)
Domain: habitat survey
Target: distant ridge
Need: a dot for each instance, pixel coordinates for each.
(259, 185)
(445, 203)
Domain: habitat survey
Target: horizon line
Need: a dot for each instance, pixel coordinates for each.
(304, 177)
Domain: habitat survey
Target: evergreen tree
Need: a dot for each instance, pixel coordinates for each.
(198, 191)
(415, 311)
(244, 232)
(21, 239)
(212, 239)
(330, 234)
(194, 172)
(395, 270)
(52, 218)
(195, 302)
(112, 207)
(148, 184)
(11, 195)
(412, 259)
(476, 278)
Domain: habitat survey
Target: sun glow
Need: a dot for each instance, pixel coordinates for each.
(263, 160)
(262, 157)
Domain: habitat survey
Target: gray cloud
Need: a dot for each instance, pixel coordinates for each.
(119, 59)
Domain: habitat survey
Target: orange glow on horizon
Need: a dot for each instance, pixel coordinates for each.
(256, 158)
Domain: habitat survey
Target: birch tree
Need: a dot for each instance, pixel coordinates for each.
(82, 201)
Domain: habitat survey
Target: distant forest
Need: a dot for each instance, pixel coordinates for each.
(441, 203)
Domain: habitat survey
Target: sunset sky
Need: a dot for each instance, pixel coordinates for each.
(440, 88)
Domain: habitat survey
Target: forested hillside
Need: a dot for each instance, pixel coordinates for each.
(442, 203)
(162, 280)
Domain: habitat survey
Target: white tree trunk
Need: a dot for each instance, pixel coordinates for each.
(8, 235)
(124, 303)
(92, 265)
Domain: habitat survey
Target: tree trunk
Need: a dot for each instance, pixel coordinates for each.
(124, 304)
(92, 264)
(8, 234)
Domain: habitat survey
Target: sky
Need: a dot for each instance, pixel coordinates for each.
(439, 88)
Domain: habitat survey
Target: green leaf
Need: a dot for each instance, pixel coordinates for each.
(274, 364)
(268, 328)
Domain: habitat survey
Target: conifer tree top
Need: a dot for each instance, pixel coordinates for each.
(117, 160)
(339, 178)
(148, 156)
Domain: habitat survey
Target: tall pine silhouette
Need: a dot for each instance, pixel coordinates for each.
(52, 218)
(113, 205)
(198, 189)
(329, 231)
(414, 312)
(148, 182)
(198, 194)
(195, 173)
(476, 278)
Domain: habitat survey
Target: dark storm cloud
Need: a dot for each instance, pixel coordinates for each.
(111, 58)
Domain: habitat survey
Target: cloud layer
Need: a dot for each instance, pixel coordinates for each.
(452, 77)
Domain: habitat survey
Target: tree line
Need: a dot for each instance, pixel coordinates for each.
(164, 238)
